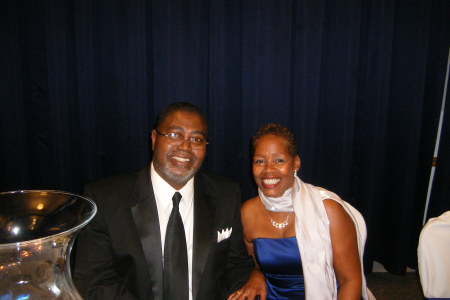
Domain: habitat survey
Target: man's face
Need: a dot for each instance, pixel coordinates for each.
(177, 164)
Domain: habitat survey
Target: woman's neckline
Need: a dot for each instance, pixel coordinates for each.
(268, 238)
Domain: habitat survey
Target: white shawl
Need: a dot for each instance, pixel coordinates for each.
(314, 242)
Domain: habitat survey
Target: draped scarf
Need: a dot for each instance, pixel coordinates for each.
(314, 241)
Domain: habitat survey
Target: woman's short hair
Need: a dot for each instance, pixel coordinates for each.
(277, 130)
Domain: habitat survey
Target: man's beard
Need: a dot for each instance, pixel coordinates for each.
(178, 178)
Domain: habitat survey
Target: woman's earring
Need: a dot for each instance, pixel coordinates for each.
(295, 173)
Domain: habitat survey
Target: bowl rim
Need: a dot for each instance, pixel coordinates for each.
(56, 235)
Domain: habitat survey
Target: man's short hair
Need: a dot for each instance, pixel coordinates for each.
(179, 106)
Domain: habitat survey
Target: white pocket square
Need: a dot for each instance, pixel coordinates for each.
(224, 234)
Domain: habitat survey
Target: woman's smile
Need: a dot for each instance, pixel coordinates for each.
(273, 166)
(270, 182)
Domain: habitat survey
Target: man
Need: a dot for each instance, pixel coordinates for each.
(125, 253)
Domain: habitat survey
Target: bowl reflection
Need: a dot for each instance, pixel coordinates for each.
(37, 231)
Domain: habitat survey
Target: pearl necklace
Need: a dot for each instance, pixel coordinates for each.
(279, 225)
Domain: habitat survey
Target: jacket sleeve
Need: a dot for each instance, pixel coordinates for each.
(95, 275)
(239, 264)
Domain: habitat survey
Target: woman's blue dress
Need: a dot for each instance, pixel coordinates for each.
(279, 260)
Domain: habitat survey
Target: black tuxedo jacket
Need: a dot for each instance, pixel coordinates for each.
(119, 252)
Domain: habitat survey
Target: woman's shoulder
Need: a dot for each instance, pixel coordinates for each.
(250, 207)
(337, 215)
(334, 207)
(249, 217)
(250, 203)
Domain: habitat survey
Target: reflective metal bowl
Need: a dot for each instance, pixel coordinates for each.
(37, 232)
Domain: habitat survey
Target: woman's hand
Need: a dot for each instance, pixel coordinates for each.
(256, 285)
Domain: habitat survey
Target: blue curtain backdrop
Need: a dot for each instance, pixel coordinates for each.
(360, 83)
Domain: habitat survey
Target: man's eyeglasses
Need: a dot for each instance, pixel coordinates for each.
(178, 138)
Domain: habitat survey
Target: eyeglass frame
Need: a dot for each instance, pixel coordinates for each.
(169, 140)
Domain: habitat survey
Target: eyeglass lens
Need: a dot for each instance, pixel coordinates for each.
(177, 138)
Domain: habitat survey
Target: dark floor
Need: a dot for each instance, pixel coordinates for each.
(386, 286)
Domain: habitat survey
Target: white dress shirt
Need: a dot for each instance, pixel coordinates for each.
(163, 195)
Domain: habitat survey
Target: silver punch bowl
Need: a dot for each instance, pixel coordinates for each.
(37, 232)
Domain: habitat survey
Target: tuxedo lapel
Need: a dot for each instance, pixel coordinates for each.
(145, 215)
(204, 213)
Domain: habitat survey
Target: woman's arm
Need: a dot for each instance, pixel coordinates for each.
(346, 261)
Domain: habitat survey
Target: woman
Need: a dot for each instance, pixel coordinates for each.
(307, 241)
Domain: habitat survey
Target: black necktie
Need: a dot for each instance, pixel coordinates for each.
(176, 278)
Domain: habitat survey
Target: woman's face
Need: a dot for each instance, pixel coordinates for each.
(273, 166)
